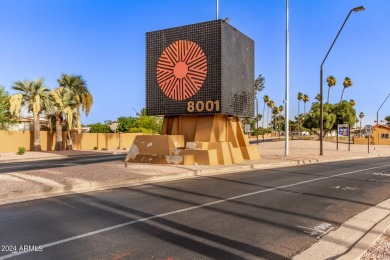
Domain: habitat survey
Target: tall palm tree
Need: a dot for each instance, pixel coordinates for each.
(34, 95)
(318, 97)
(60, 111)
(265, 99)
(305, 100)
(352, 102)
(281, 109)
(81, 95)
(275, 112)
(347, 83)
(361, 115)
(299, 97)
(331, 82)
(270, 104)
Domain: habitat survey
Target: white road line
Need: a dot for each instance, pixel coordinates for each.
(58, 242)
(326, 232)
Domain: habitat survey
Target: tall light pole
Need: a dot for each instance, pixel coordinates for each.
(377, 112)
(356, 9)
(217, 9)
(286, 124)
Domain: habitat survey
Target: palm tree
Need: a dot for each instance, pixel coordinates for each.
(331, 82)
(80, 94)
(265, 99)
(281, 109)
(270, 104)
(356, 121)
(361, 115)
(318, 97)
(352, 102)
(347, 83)
(35, 96)
(305, 100)
(275, 112)
(60, 111)
(299, 97)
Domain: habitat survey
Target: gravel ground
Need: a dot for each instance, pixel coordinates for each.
(380, 250)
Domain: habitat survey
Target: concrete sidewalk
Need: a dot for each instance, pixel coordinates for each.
(35, 184)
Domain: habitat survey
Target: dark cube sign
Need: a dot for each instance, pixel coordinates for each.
(200, 69)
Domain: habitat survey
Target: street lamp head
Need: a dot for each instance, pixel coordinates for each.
(358, 9)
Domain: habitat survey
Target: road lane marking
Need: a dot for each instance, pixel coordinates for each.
(382, 174)
(320, 230)
(344, 188)
(62, 241)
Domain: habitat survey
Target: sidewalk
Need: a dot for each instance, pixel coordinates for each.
(34, 184)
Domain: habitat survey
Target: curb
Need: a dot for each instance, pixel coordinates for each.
(56, 157)
(353, 238)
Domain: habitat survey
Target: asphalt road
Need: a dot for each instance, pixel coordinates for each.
(55, 163)
(270, 214)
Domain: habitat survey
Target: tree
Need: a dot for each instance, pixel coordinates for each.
(361, 115)
(299, 97)
(312, 119)
(100, 128)
(331, 82)
(356, 121)
(265, 99)
(147, 124)
(318, 97)
(281, 109)
(305, 100)
(108, 122)
(270, 104)
(275, 113)
(5, 116)
(125, 124)
(82, 97)
(352, 102)
(387, 118)
(35, 96)
(61, 110)
(345, 114)
(347, 83)
(259, 83)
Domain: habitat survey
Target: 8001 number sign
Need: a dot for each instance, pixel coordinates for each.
(201, 106)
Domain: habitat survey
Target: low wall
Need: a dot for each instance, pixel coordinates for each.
(88, 141)
(360, 140)
(10, 141)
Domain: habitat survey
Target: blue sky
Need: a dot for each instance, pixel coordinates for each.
(104, 41)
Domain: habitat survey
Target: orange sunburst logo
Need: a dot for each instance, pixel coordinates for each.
(181, 70)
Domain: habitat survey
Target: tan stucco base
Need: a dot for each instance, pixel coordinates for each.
(204, 140)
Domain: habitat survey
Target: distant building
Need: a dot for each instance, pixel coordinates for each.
(27, 124)
(381, 135)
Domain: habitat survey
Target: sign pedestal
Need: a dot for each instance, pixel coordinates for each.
(188, 140)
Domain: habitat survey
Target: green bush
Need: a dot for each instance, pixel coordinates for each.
(95, 148)
(104, 149)
(21, 150)
(99, 128)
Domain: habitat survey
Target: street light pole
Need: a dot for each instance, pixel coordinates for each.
(286, 124)
(377, 112)
(217, 9)
(356, 9)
